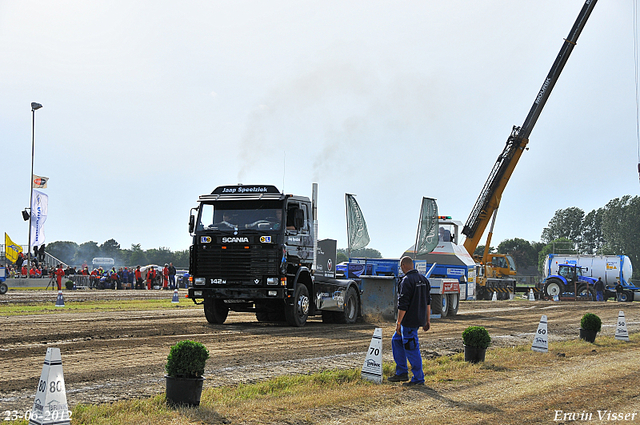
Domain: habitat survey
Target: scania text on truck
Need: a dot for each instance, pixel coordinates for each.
(255, 250)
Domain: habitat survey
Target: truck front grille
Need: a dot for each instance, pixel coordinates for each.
(235, 263)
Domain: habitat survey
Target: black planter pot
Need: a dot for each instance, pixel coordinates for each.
(474, 354)
(184, 391)
(588, 335)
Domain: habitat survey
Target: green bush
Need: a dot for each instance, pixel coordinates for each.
(476, 336)
(591, 322)
(69, 284)
(186, 359)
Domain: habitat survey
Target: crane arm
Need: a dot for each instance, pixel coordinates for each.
(489, 199)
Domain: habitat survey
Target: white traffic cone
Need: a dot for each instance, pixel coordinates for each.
(494, 297)
(541, 338)
(175, 298)
(372, 367)
(50, 405)
(531, 296)
(621, 328)
(60, 299)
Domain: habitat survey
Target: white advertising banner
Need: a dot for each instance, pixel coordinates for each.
(39, 210)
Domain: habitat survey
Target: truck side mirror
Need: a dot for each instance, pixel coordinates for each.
(192, 222)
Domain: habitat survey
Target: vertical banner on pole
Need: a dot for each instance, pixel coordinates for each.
(372, 367)
(50, 406)
(621, 327)
(541, 338)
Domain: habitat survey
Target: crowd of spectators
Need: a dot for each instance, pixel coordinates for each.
(151, 277)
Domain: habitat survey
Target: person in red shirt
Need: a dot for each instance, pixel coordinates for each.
(151, 273)
(138, 275)
(59, 273)
(165, 277)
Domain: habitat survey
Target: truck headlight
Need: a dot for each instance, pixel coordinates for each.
(272, 293)
(200, 281)
(272, 281)
(197, 293)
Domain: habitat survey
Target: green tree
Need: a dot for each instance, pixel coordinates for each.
(64, 251)
(566, 223)
(137, 257)
(592, 238)
(521, 250)
(86, 252)
(110, 249)
(341, 257)
(361, 253)
(621, 228)
(159, 256)
(553, 248)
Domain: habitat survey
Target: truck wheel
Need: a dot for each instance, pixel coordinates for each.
(3, 288)
(262, 316)
(436, 304)
(215, 311)
(628, 296)
(297, 313)
(350, 313)
(554, 287)
(454, 303)
(445, 305)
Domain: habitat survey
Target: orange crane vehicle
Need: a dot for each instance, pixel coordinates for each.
(495, 271)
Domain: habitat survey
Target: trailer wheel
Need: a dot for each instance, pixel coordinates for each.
(554, 287)
(628, 296)
(297, 313)
(215, 311)
(3, 288)
(436, 304)
(454, 303)
(350, 313)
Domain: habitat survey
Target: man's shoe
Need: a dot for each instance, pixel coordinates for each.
(413, 383)
(399, 378)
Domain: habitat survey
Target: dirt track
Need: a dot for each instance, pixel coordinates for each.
(118, 355)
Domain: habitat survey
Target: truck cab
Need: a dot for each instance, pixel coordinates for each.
(253, 251)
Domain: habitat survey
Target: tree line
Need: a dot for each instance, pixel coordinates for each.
(76, 255)
(610, 230)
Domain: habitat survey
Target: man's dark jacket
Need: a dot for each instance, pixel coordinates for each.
(414, 297)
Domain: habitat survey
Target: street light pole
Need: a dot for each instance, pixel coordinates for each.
(34, 107)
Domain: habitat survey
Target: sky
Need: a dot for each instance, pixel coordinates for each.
(149, 104)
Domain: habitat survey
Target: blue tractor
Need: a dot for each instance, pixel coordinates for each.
(3, 277)
(570, 279)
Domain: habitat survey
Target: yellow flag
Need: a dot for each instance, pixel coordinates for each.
(11, 249)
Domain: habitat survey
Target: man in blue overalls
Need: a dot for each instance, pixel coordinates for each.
(414, 312)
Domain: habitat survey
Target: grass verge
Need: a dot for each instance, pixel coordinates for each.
(329, 395)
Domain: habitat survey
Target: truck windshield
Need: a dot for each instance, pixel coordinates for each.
(230, 216)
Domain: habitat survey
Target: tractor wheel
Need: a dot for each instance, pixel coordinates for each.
(3, 288)
(554, 287)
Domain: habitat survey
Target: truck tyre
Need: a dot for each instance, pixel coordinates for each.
(297, 313)
(445, 305)
(262, 316)
(553, 287)
(3, 288)
(215, 311)
(436, 304)
(350, 313)
(626, 296)
(454, 303)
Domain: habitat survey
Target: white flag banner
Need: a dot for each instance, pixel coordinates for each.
(39, 210)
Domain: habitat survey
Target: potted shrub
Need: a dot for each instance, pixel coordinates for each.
(185, 367)
(69, 284)
(590, 325)
(476, 340)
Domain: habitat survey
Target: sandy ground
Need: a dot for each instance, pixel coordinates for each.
(111, 356)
